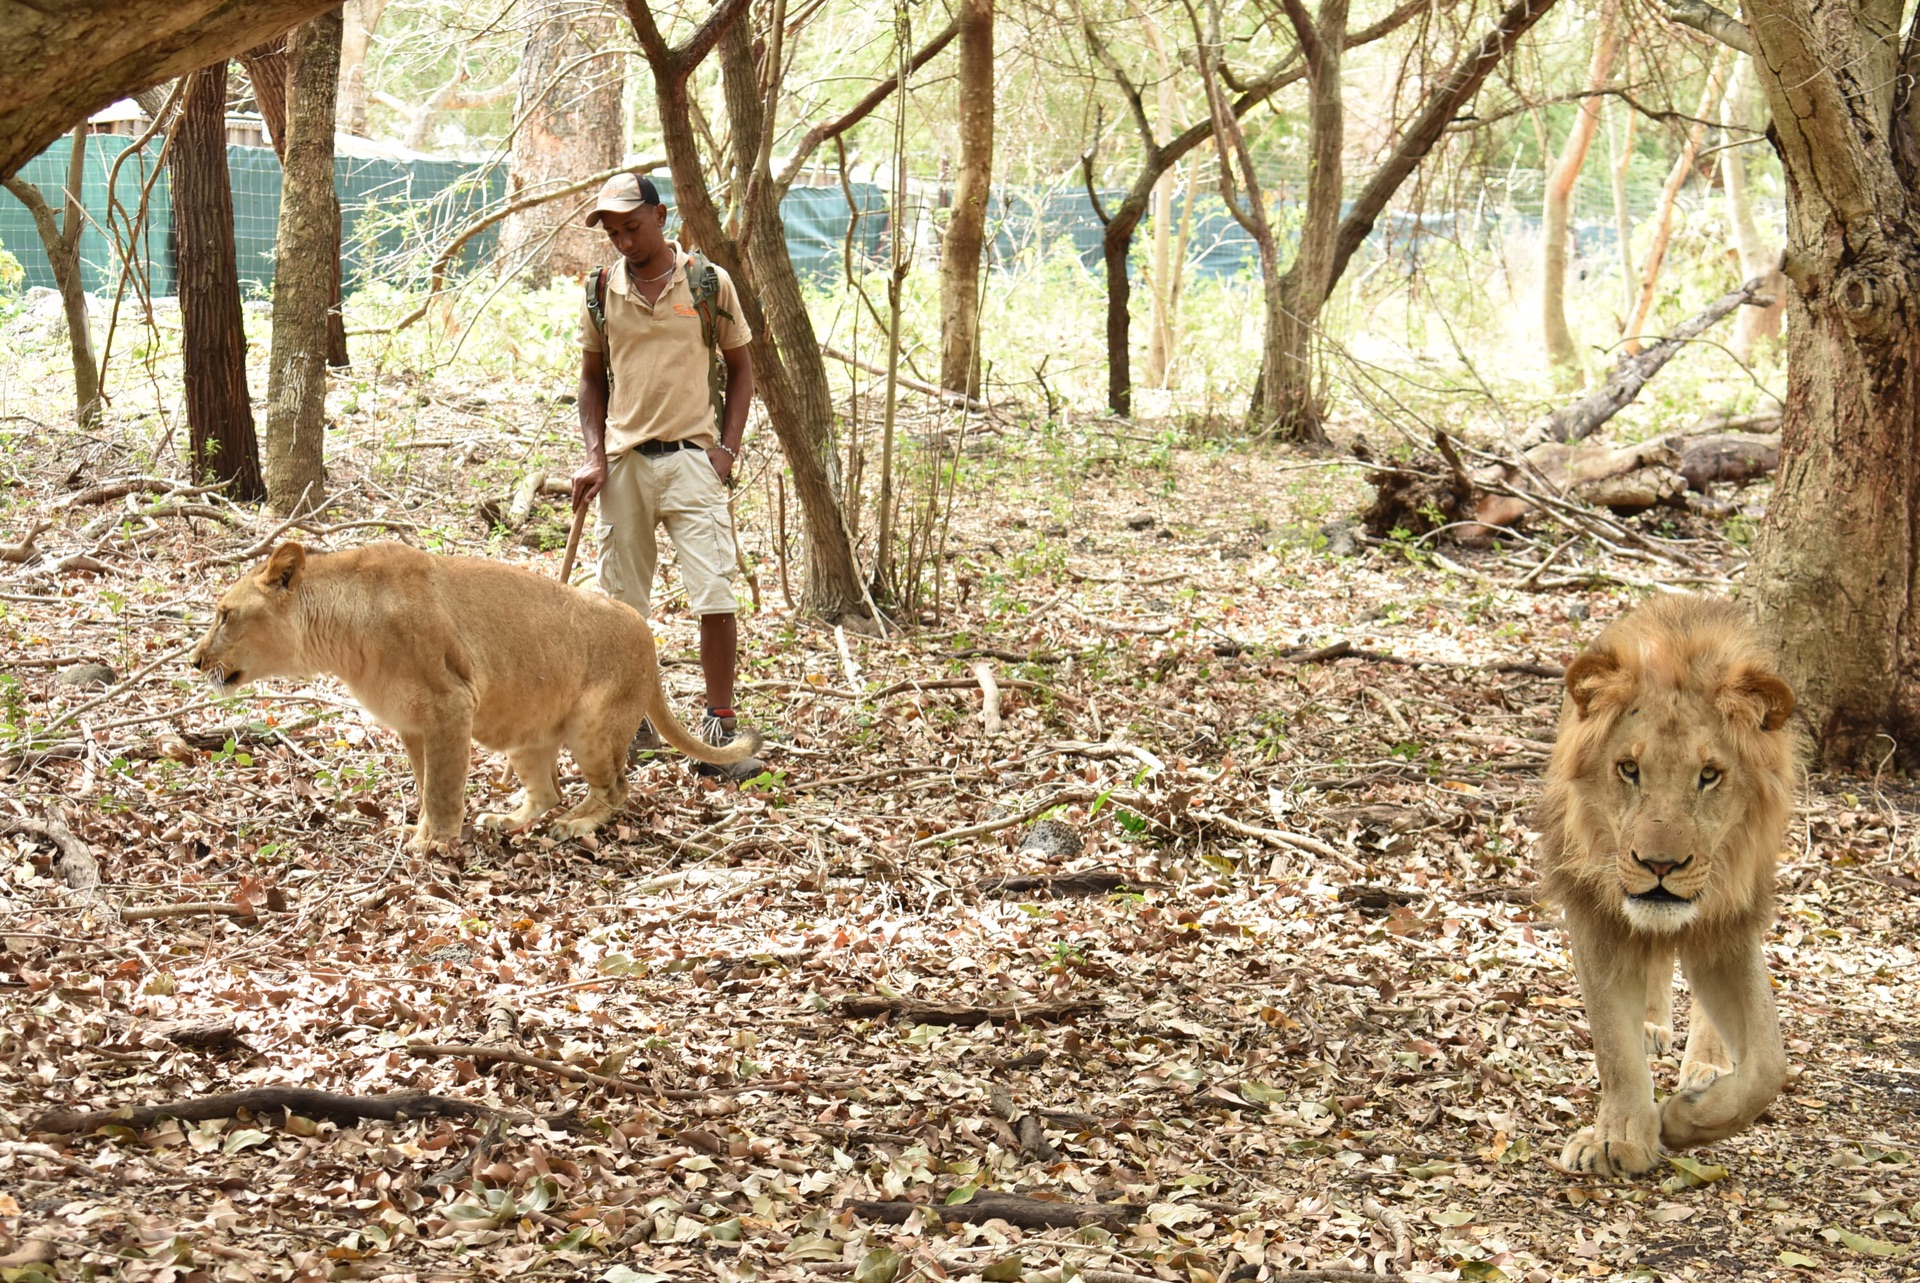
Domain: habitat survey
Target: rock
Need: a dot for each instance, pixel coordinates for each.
(87, 676)
(1140, 521)
(1052, 837)
(1339, 537)
(1578, 612)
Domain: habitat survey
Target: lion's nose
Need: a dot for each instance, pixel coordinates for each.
(1660, 868)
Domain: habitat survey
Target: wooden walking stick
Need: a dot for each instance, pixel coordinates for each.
(573, 543)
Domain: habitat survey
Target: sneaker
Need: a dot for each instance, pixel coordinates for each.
(717, 729)
(645, 740)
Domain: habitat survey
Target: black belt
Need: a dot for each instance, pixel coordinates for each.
(665, 447)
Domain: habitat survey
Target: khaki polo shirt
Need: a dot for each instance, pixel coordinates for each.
(659, 358)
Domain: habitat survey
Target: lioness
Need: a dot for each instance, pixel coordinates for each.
(1667, 798)
(447, 650)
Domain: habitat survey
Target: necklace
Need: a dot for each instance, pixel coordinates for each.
(663, 276)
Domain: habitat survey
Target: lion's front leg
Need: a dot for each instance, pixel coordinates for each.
(440, 752)
(1659, 1030)
(1625, 1137)
(1737, 1000)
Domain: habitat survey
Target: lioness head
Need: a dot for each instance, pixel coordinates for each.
(1676, 765)
(253, 634)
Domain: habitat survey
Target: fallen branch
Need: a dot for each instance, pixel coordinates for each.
(907, 381)
(1030, 1131)
(867, 1006)
(191, 909)
(259, 1101)
(511, 1056)
(120, 487)
(1631, 373)
(1063, 798)
(24, 550)
(78, 868)
(991, 1205)
(1063, 885)
(989, 698)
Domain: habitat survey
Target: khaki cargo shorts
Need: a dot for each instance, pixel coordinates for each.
(680, 491)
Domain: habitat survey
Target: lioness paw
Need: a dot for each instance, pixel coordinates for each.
(1659, 1039)
(502, 822)
(1695, 1074)
(1617, 1155)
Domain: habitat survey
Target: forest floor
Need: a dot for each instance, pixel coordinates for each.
(1314, 1019)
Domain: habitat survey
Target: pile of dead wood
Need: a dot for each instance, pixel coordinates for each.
(1471, 496)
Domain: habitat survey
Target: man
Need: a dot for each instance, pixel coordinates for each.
(654, 455)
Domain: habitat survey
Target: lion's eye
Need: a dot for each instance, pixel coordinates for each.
(1629, 771)
(1709, 776)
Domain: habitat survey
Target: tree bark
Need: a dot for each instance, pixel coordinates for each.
(61, 241)
(1683, 168)
(302, 279)
(213, 345)
(362, 17)
(788, 371)
(570, 123)
(966, 229)
(266, 67)
(61, 62)
(1836, 570)
(1561, 351)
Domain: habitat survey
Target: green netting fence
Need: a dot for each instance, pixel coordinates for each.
(397, 213)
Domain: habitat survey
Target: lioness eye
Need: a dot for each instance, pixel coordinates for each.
(1709, 776)
(1630, 771)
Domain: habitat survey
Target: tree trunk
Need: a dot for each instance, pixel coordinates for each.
(61, 240)
(570, 123)
(1163, 269)
(213, 341)
(266, 66)
(966, 230)
(789, 373)
(1669, 194)
(61, 62)
(356, 39)
(302, 279)
(1622, 160)
(1291, 408)
(1759, 257)
(1836, 570)
(1566, 172)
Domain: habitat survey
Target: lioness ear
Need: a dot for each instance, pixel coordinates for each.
(284, 566)
(1757, 697)
(1597, 675)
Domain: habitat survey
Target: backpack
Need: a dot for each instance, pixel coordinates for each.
(703, 281)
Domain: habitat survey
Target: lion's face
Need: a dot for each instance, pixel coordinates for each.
(253, 634)
(1678, 774)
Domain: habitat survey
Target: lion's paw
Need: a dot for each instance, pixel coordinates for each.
(500, 822)
(1659, 1039)
(574, 828)
(420, 841)
(1696, 1074)
(1616, 1155)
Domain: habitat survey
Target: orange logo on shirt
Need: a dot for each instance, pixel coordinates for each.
(685, 309)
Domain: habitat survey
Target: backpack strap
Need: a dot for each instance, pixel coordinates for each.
(597, 309)
(703, 283)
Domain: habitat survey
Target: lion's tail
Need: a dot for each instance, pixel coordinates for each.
(746, 741)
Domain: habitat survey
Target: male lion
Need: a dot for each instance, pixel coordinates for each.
(1666, 802)
(447, 650)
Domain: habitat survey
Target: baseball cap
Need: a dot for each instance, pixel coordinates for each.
(622, 194)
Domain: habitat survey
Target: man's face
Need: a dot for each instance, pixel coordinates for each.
(637, 234)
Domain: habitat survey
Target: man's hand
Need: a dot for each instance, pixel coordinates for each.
(588, 481)
(722, 460)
